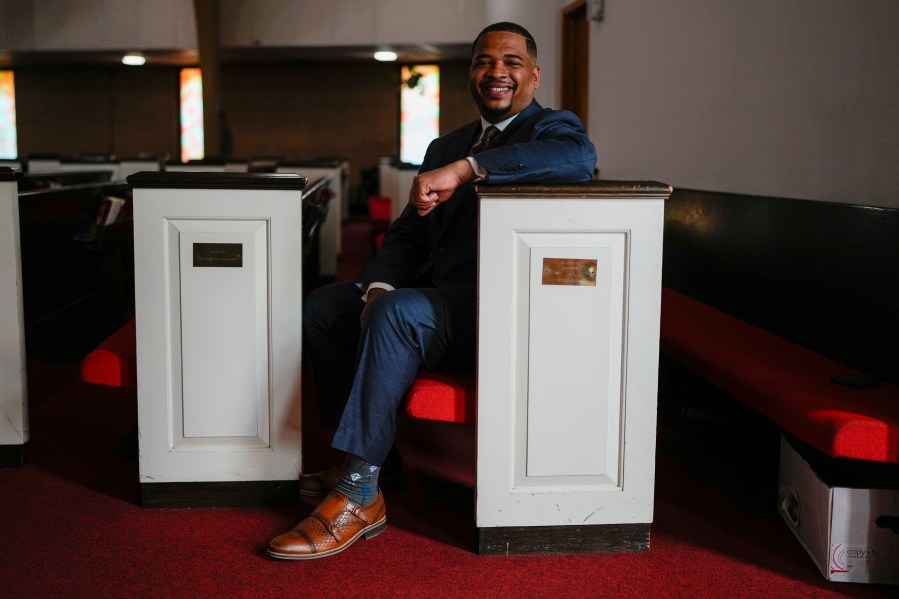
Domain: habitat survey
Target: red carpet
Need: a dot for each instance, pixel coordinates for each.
(72, 525)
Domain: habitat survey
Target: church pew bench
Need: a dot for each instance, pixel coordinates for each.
(76, 264)
(113, 362)
(788, 306)
(789, 385)
(433, 396)
(331, 228)
(596, 248)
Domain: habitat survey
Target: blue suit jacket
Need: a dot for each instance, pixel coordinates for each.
(440, 249)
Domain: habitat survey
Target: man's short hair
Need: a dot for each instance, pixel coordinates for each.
(509, 28)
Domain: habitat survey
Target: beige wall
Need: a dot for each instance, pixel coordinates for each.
(769, 97)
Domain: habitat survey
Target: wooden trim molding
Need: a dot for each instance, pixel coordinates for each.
(599, 538)
(107, 187)
(12, 456)
(171, 180)
(220, 494)
(592, 189)
(9, 174)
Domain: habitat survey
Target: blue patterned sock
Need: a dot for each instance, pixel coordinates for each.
(359, 481)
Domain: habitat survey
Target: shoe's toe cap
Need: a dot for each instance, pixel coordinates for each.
(291, 544)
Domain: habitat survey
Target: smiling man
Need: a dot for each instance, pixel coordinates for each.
(414, 306)
(502, 78)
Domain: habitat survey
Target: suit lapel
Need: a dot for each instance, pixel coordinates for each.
(463, 143)
(522, 117)
(458, 150)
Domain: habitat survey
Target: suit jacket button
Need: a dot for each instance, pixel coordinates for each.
(441, 251)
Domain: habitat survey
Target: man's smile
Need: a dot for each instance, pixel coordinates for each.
(497, 90)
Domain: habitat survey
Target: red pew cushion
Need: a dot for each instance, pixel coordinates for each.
(444, 396)
(114, 362)
(379, 209)
(782, 381)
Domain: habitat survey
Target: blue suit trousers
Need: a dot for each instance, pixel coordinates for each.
(363, 370)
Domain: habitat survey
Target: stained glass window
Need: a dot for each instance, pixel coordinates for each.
(8, 145)
(191, 115)
(419, 111)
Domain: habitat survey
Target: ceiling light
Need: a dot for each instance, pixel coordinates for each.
(134, 59)
(385, 56)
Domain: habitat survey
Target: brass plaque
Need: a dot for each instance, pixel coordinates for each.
(569, 271)
(218, 255)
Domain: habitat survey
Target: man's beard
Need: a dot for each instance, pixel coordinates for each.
(500, 111)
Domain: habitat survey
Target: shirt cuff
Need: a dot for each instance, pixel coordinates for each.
(375, 285)
(479, 171)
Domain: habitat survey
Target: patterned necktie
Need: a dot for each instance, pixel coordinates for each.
(486, 138)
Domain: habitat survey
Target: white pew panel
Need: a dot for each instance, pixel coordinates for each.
(569, 307)
(218, 280)
(14, 432)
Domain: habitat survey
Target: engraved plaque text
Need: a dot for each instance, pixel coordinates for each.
(569, 271)
(218, 255)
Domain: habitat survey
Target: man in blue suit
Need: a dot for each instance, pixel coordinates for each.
(415, 304)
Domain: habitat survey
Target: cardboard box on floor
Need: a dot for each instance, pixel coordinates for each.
(842, 514)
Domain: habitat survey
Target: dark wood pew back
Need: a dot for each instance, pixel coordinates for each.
(51, 180)
(820, 274)
(316, 202)
(76, 272)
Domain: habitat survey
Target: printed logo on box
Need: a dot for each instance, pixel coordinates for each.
(838, 560)
(839, 557)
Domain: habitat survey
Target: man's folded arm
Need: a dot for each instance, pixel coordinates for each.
(558, 151)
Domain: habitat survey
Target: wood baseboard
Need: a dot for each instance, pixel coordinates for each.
(12, 456)
(220, 494)
(511, 540)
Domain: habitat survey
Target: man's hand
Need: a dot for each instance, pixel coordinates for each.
(433, 187)
(373, 294)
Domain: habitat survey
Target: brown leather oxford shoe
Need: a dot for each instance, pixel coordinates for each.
(334, 525)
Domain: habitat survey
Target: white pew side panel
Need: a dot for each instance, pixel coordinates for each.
(218, 276)
(567, 366)
(13, 382)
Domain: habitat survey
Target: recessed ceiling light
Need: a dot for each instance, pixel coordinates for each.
(134, 59)
(385, 56)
